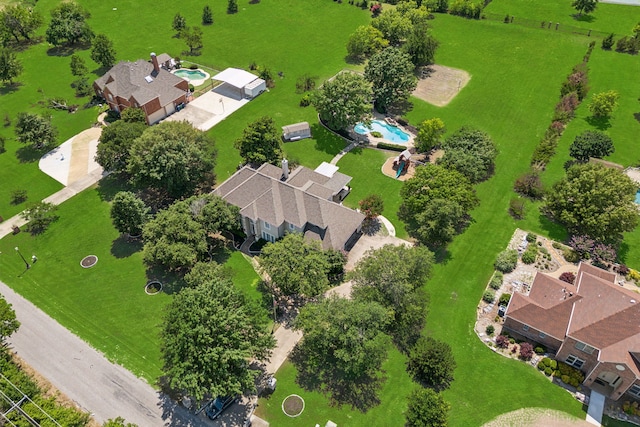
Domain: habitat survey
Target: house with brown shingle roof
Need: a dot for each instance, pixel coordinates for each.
(273, 202)
(593, 325)
(143, 84)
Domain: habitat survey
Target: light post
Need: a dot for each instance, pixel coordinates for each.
(23, 259)
(222, 102)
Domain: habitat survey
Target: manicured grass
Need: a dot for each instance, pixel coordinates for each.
(365, 165)
(608, 18)
(319, 411)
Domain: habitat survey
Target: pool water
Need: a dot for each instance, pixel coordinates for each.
(638, 197)
(191, 74)
(390, 133)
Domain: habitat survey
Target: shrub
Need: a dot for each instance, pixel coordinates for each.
(496, 280)
(489, 296)
(556, 245)
(540, 350)
(546, 362)
(570, 255)
(608, 42)
(502, 341)
(565, 379)
(305, 101)
(553, 364)
(634, 275)
(516, 208)
(529, 185)
(529, 256)
(623, 270)
(526, 351)
(568, 277)
(566, 107)
(577, 81)
(541, 366)
(376, 134)
(531, 237)
(392, 147)
(490, 329)
(548, 372)
(18, 196)
(603, 254)
(544, 151)
(504, 299)
(507, 260)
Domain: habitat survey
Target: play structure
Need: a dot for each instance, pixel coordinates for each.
(401, 163)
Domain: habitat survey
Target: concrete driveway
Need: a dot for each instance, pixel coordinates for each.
(366, 243)
(209, 109)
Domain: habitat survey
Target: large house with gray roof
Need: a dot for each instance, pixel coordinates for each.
(273, 202)
(593, 325)
(143, 84)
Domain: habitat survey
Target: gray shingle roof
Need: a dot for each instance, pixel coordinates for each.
(260, 194)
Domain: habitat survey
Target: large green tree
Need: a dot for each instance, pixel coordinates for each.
(391, 75)
(192, 36)
(78, 66)
(177, 237)
(115, 142)
(393, 25)
(604, 103)
(471, 152)
(343, 101)
(35, 130)
(211, 332)
(68, 24)
(365, 41)
(129, 213)
(584, 6)
(19, 21)
(596, 201)
(118, 422)
(172, 156)
(260, 143)
(8, 321)
(342, 350)
(431, 188)
(591, 143)
(431, 363)
(394, 277)
(10, 65)
(296, 266)
(102, 51)
(427, 408)
(421, 45)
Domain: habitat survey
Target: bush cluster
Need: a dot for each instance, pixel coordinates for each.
(504, 299)
(467, 8)
(489, 296)
(568, 374)
(502, 341)
(496, 281)
(507, 260)
(526, 351)
(568, 277)
(631, 408)
(529, 256)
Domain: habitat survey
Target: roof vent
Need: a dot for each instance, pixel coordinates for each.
(149, 79)
(632, 301)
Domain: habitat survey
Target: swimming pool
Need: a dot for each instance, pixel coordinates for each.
(191, 74)
(638, 197)
(390, 133)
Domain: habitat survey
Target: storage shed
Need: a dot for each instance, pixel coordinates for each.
(255, 88)
(241, 82)
(296, 131)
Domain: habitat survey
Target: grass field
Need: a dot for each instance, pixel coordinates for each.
(516, 74)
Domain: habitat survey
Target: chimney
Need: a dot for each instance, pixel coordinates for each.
(154, 59)
(285, 169)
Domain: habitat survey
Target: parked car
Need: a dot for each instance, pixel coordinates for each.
(217, 406)
(502, 310)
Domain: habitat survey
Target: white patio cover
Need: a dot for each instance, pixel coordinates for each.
(235, 77)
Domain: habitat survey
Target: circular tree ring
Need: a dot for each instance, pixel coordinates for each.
(293, 405)
(89, 261)
(153, 287)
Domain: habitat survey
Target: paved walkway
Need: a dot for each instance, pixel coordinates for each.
(596, 408)
(344, 151)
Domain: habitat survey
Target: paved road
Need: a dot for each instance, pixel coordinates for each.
(86, 376)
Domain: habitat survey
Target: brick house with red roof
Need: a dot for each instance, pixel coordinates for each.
(143, 84)
(593, 325)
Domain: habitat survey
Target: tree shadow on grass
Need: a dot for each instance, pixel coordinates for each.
(111, 185)
(360, 393)
(555, 231)
(600, 123)
(623, 252)
(125, 246)
(172, 282)
(327, 141)
(8, 88)
(583, 17)
(28, 154)
(67, 50)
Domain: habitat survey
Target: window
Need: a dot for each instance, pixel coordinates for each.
(268, 237)
(266, 225)
(584, 347)
(542, 335)
(525, 327)
(635, 390)
(292, 227)
(574, 361)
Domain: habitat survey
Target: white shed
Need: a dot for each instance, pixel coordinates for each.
(255, 88)
(296, 131)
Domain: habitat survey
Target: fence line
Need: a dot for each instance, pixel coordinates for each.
(544, 25)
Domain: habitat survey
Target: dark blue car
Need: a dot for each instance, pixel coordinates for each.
(217, 406)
